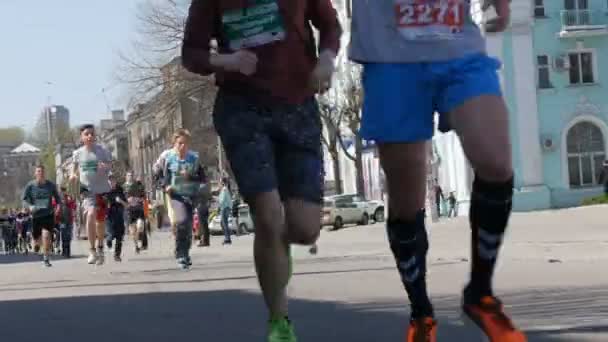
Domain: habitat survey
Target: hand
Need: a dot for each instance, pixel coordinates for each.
(32, 208)
(321, 76)
(73, 178)
(102, 166)
(503, 12)
(242, 61)
(168, 189)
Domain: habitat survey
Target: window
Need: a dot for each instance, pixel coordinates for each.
(580, 5)
(542, 62)
(539, 9)
(585, 147)
(581, 68)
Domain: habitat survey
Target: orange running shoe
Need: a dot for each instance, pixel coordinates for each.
(422, 330)
(489, 316)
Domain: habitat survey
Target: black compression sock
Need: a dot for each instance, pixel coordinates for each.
(491, 204)
(409, 244)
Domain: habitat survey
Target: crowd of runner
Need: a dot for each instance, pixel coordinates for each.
(418, 58)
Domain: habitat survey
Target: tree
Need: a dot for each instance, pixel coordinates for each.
(350, 108)
(47, 159)
(152, 68)
(331, 117)
(12, 135)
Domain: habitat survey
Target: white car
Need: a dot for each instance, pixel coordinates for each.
(245, 222)
(339, 210)
(376, 208)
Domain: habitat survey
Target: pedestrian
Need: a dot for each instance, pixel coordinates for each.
(416, 65)
(268, 69)
(38, 196)
(453, 203)
(182, 176)
(225, 208)
(91, 165)
(439, 198)
(603, 177)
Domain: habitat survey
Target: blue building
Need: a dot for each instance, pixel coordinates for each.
(553, 79)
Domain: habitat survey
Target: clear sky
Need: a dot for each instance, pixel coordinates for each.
(72, 44)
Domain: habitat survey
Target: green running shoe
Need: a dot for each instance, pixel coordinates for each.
(281, 330)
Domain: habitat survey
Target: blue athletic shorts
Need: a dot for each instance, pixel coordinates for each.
(401, 98)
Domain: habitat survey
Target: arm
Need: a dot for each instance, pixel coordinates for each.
(324, 17)
(199, 30)
(122, 198)
(27, 197)
(55, 195)
(158, 169)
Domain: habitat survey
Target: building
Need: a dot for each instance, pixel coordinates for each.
(19, 166)
(53, 123)
(63, 161)
(113, 135)
(151, 125)
(551, 76)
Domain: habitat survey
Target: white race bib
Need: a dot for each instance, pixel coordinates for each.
(41, 203)
(430, 19)
(259, 24)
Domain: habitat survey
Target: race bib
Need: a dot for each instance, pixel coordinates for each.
(41, 203)
(184, 187)
(89, 167)
(259, 24)
(430, 19)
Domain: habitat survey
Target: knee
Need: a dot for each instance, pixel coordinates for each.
(269, 222)
(46, 234)
(408, 237)
(303, 232)
(495, 169)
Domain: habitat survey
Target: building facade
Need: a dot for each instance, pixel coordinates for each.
(551, 78)
(19, 166)
(52, 122)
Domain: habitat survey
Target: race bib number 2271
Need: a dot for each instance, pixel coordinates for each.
(429, 19)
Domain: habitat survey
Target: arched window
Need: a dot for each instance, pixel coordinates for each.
(586, 153)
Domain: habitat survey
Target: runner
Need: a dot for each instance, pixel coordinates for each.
(136, 194)
(147, 229)
(268, 120)
(157, 170)
(182, 176)
(68, 207)
(38, 195)
(91, 166)
(421, 57)
(115, 223)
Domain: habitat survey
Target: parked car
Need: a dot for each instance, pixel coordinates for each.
(376, 208)
(245, 222)
(339, 210)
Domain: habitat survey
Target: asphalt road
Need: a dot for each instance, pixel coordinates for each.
(551, 277)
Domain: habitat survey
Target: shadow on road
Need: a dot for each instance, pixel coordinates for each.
(238, 316)
(22, 258)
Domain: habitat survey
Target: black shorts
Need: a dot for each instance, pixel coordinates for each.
(274, 147)
(134, 214)
(40, 223)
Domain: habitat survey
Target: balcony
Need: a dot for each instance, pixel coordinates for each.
(583, 23)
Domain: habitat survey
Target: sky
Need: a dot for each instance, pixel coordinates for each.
(65, 51)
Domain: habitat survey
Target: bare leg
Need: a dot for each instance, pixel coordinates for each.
(405, 166)
(271, 251)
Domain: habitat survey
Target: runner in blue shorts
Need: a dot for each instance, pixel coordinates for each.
(422, 57)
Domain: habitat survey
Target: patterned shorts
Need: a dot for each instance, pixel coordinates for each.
(271, 147)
